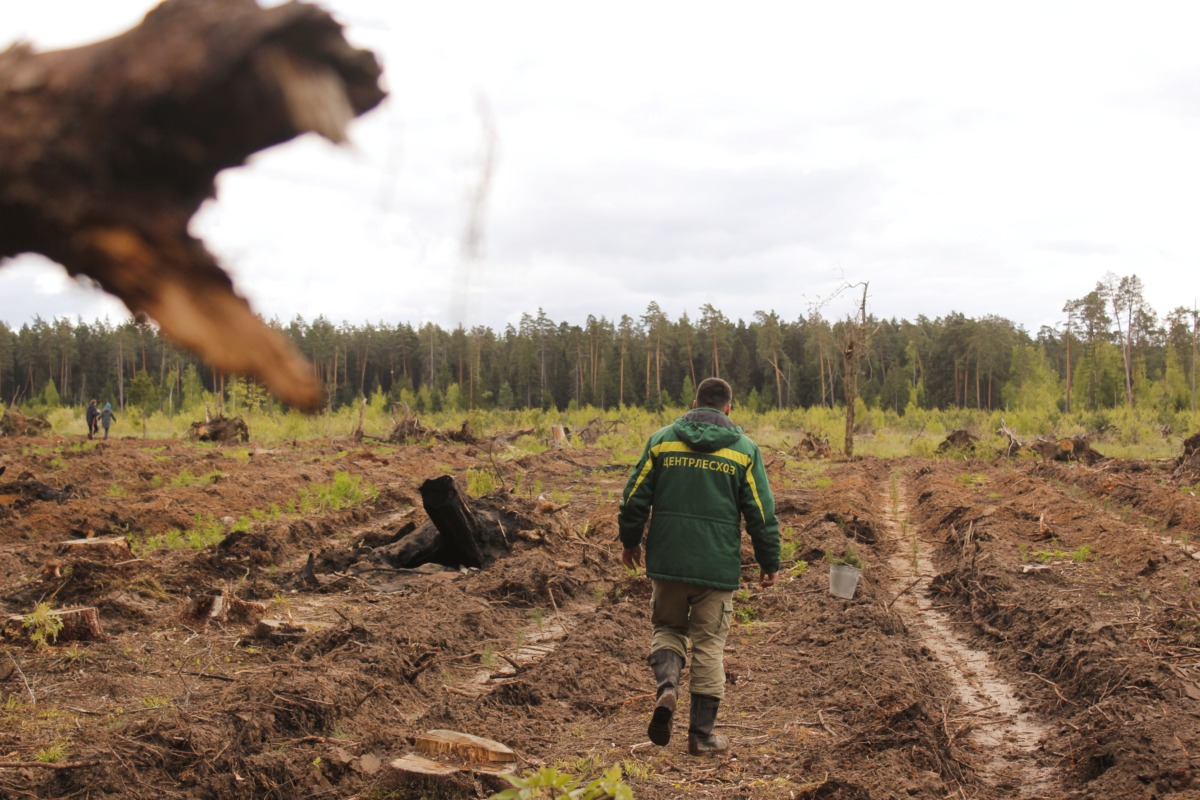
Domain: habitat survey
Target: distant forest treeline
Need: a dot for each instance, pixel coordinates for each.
(1111, 349)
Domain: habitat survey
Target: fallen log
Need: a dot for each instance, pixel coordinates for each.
(108, 150)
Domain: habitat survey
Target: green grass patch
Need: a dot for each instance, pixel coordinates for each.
(343, 491)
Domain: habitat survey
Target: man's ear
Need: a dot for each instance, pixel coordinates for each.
(694, 404)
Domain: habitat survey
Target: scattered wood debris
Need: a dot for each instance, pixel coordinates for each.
(597, 426)
(959, 440)
(1050, 448)
(14, 423)
(812, 445)
(220, 429)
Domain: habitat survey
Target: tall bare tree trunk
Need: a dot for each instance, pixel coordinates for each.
(621, 368)
(1195, 346)
(1069, 375)
(855, 344)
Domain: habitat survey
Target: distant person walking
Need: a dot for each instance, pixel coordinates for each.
(93, 414)
(701, 476)
(106, 418)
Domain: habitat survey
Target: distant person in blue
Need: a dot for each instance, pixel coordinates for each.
(106, 418)
(93, 414)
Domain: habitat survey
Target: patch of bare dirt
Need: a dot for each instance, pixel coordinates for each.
(293, 660)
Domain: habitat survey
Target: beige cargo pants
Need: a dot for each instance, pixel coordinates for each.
(683, 611)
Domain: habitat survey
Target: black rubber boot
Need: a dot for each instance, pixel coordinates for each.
(667, 664)
(701, 739)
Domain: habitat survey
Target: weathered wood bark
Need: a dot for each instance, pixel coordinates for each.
(422, 546)
(454, 519)
(107, 151)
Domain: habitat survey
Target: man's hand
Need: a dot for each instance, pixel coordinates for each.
(768, 579)
(631, 557)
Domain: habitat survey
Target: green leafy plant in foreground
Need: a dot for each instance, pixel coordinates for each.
(43, 625)
(550, 784)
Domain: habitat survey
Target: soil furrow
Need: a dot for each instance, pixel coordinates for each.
(990, 718)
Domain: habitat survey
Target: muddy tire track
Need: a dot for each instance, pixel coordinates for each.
(1006, 740)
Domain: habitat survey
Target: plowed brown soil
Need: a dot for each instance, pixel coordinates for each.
(1021, 631)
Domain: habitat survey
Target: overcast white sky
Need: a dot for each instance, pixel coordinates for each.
(980, 158)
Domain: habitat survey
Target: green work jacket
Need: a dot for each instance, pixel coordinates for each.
(696, 480)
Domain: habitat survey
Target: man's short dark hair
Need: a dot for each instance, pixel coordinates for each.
(714, 393)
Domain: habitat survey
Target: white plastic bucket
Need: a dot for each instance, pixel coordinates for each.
(843, 580)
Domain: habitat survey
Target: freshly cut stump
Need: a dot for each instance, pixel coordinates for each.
(473, 749)
(78, 625)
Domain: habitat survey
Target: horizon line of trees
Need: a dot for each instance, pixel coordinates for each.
(1111, 349)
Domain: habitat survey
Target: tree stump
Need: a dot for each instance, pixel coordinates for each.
(105, 548)
(473, 749)
(219, 607)
(78, 625)
(558, 435)
(450, 762)
(454, 520)
(423, 546)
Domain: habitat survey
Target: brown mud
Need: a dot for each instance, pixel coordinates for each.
(1021, 630)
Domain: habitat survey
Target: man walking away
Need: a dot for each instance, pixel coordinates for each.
(701, 476)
